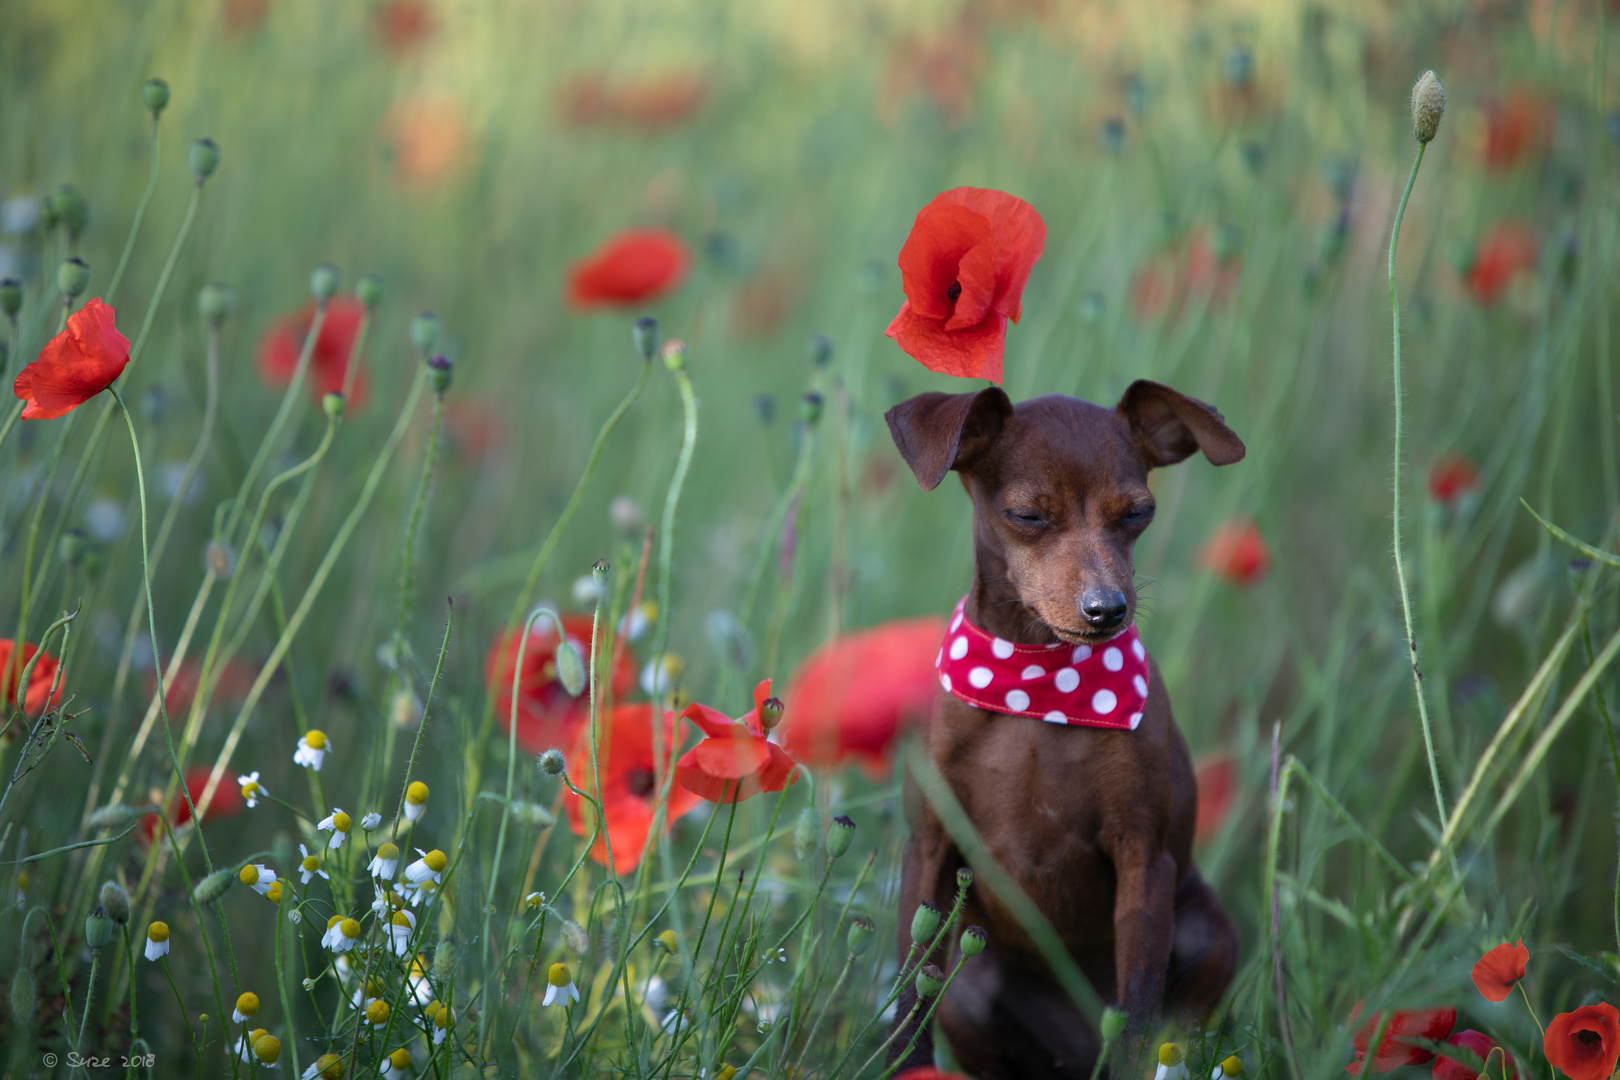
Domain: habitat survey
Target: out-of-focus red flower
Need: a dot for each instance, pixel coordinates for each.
(1237, 553)
(329, 362)
(39, 680)
(1505, 251)
(1500, 968)
(75, 365)
(1515, 125)
(629, 784)
(649, 102)
(634, 266)
(1448, 1068)
(227, 802)
(425, 135)
(943, 67)
(472, 428)
(242, 16)
(1585, 1042)
(964, 268)
(1395, 1049)
(852, 697)
(764, 302)
(1217, 789)
(547, 714)
(1451, 477)
(735, 760)
(234, 681)
(403, 25)
(1165, 281)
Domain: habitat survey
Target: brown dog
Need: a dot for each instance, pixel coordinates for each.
(1094, 824)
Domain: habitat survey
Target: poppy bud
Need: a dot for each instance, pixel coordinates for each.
(324, 281)
(444, 958)
(1428, 105)
(770, 713)
(573, 936)
(974, 939)
(861, 932)
(1113, 134)
(810, 408)
(111, 817)
(439, 372)
(764, 409)
(115, 902)
(155, 96)
(11, 292)
(570, 668)
(821, 350)
(1462, 255)
(1113, 1024)
(98, 929)
(1254, 156)
(552, 762)
(645, 336)
(215, 303)
(369, 289)
(964, 878)
(214, 886)
(532, 814)
(204, 159)
(72, 277)
(925, 921)
(24, 997)
(930, 981)
(332, 405)
(1239, 67)
(70, 209)
(805, 833)
(425, 330)
(675, 354)
(839, 835)
(70, 549)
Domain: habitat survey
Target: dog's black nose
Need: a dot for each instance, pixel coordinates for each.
(1104, 609)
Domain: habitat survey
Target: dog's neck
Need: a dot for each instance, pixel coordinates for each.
(994, 605)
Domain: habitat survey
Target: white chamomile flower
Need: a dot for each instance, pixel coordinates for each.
(325, 1067)
(560, 988)
(400, 927)
(416, 796)
(421, 894)
(371, 821)
(342, 934)
(377, 1013)
(339, 823)
(1229, 1069)
(257, 877)
(244, 1043)
(364, 996)
(421, 988)
(252, 790)
(638, 620)
(247, 1007)
(311, 865)
(396, 1063)
(312, 749)
(658, 679)
(1172, 1063)
(157, 940)
(385, 863)
(441, 1024)
(428, 868)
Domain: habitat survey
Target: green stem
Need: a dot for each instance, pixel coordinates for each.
(140, 216)
(1400, 564)
(89, 996)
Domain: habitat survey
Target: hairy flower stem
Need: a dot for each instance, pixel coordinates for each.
(832, 995)
(922, 1025)
(89, 996)
(1400, 563)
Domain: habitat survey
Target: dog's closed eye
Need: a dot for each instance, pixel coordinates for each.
(1138, 515)
(1027, 518)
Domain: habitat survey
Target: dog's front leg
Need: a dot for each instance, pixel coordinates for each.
(1144, 926)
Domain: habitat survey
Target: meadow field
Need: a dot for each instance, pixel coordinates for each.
(506, 377)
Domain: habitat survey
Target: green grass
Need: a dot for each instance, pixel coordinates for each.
(795, 183)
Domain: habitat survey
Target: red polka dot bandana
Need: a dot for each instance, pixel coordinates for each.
(1102, 686)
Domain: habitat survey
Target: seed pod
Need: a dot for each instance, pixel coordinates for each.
(821, 350)
(155, 96)
(644, 334)
(770, 713)
(425, 330)
(675, 354)
(930, 981)
(552, 762)
(72, 277)
(215, 302)
(861, 932)
(439, 372)
(1113, 1024)
(203, 159)
(925, 922)
(974, 939)
(839, 835)
(332, 405)
(369, 290)
(324, 281)
(810, 408)
(98, 929)
(11, 296)
(964, 877)
(806, 832)
(214, 886)
(1428, 106)
(115, 901)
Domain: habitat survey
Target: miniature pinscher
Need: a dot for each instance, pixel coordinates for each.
(1091, 812)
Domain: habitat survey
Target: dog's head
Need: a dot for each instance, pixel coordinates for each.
(1059, 487)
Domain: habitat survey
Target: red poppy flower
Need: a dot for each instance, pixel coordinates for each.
(1481, 1045)
(402, 25)
(329, 363)
(648, 102)
(1584, 1043)
(1237, 553)
(232, 684)
(1505, 252)
(227, 802)
(75, 365)
(39, 680)
(964, 268)
(548, 715)
(629, 784)
(1513, 126)
(1395, 1050)
(1499, 969)
(852, 697)
(634, 266)
(735, 760)
(1452, 477)
(1217, 788)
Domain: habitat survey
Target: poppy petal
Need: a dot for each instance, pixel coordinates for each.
(973, 353)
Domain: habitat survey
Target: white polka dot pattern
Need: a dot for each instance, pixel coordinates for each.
(1100, 686)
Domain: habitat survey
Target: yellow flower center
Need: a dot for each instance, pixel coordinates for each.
(559, 975)
(248, 1003)
(350, 929)
(401, 919)
(315, 739)
(436, 861)
(249, 875)
(311, 863)
(158, 931)
(400, 1059)
(433, 1008)
(388, 851)
(274, 895)
(266, 1047)
(1169, 1055)
(250, 790)
(329, 1067)
(417, 793)
(442, 1018)
(340, 821)
(377, 1012)
(1232, 1066)
(333, 921)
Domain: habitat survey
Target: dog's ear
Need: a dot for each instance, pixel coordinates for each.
(1169, 426)
(940, 432)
